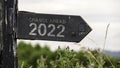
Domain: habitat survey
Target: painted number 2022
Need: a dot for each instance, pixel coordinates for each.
(42, 30)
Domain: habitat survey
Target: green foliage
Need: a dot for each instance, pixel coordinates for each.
(43, 57)
(29, 55)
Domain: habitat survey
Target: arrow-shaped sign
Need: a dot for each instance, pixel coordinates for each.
(51, 27)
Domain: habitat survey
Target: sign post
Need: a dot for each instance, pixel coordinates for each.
(9, 41)
(1, 30)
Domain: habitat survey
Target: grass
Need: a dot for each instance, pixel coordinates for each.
(106, 34)
(66, 58)
(105, 37)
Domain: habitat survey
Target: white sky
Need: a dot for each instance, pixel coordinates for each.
(97, 13)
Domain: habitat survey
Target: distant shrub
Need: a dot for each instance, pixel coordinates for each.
(43, 57)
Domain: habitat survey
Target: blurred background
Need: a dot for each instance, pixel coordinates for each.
(99, 14)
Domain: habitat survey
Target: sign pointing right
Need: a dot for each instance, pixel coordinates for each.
(53, 27)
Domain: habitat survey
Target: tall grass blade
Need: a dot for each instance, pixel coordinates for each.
(22, 65)
(106, 36)
(105, 45)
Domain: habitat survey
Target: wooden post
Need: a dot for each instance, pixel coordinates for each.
(2, 15)
(9, 59)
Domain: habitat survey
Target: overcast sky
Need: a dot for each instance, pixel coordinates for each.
(97, 13)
